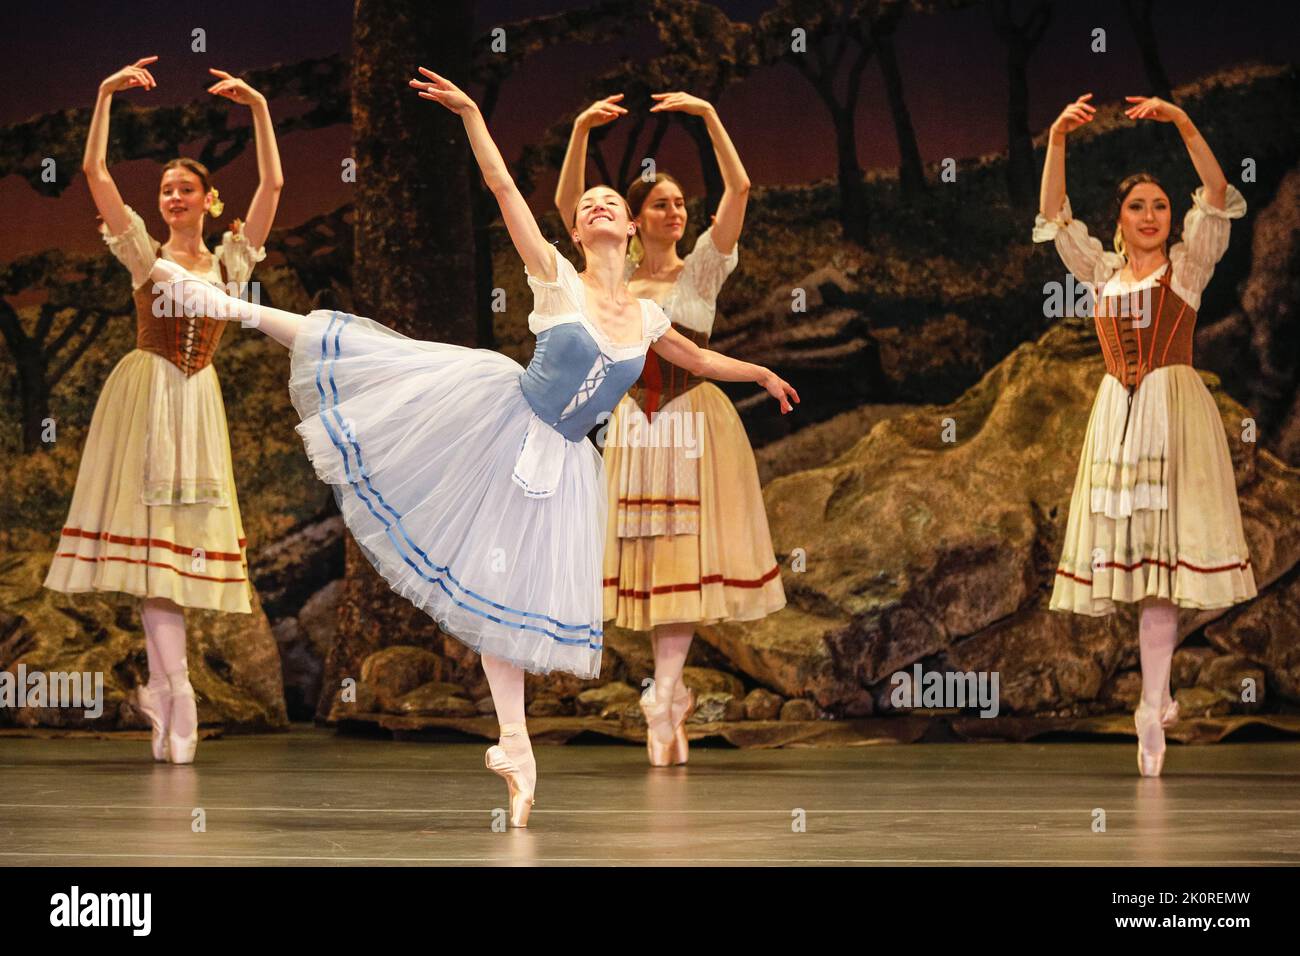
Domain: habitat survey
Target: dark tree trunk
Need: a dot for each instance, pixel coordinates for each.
(1020, 39)
(1020, 143)
(1139, 16)
(911, 174)
(853, 192)
(34, 393)
(414, 262)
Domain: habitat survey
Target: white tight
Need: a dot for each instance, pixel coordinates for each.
(1157, 640)
(671, 644)
(164, 634)
(507, 683)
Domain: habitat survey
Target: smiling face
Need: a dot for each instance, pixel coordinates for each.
(601, 216)
(1144, 218)
(182, 200)
(663, 214)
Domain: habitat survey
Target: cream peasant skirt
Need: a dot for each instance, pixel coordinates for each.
(687, 539)
(1154, 511)
(154, 512)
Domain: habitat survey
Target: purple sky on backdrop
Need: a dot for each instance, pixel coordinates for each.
(56, 53)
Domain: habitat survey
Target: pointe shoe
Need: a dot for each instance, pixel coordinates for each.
(189, 295)
(658, 749)
(1169, 714)
(182, 748)
(1149, 764)
(680, 745)
(503, 765)
(157, 707)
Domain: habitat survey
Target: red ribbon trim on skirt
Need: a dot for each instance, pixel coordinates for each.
(695, 586)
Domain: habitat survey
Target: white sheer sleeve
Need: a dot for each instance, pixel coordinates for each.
(709, 268)
(1082, 253)
(134, 248)
(656, 319)
(238, 256)
(1205, 239)
(557, 301)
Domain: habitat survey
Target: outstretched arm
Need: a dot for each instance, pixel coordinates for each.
(537, 253)
(1207, 167)
(270, 181)
(1052, 192)
(676, 348)
(572, 181)
(108, 201)
(730, 216)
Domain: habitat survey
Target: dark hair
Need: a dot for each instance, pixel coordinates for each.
(194, 166)
(641, 188)
(1127, 185)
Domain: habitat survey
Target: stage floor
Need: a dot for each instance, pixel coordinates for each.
(310, 797)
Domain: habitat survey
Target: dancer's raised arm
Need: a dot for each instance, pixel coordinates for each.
(108, 201)
(572, 183)
(537, 253)
(270, 180)
(1052, 192)
(730, 216)
(676, 348)
(1207, 167)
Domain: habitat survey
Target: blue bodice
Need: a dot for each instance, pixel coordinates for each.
(570, 382)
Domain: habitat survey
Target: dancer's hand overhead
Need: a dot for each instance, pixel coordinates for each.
(442, 90)
(1075, 115)
(1153, 107)
(601, 112)
(233, 88)
(679, 103)
(131, 76)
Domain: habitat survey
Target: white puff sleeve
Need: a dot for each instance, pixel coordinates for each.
(657, 321)
(1082, 253)
(1205, 239)
(134, 248)
(554, 301)
(709, 268)
(238, 256)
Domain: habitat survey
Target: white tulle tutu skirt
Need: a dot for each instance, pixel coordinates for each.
(420, 442)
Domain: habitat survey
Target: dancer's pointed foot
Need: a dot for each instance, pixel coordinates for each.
(185, 717)
(659, 733)
(1169, 712)
(1151, 741)
(683, 707)
(512, 760)
(156, 704)
(189, 295)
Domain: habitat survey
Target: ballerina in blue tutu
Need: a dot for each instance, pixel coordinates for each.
(466, 479)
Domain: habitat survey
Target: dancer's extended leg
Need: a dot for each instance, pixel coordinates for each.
(197, 297)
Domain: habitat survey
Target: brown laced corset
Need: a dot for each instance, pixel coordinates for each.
(1144, 330)
(188, 343)
(660, 381)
